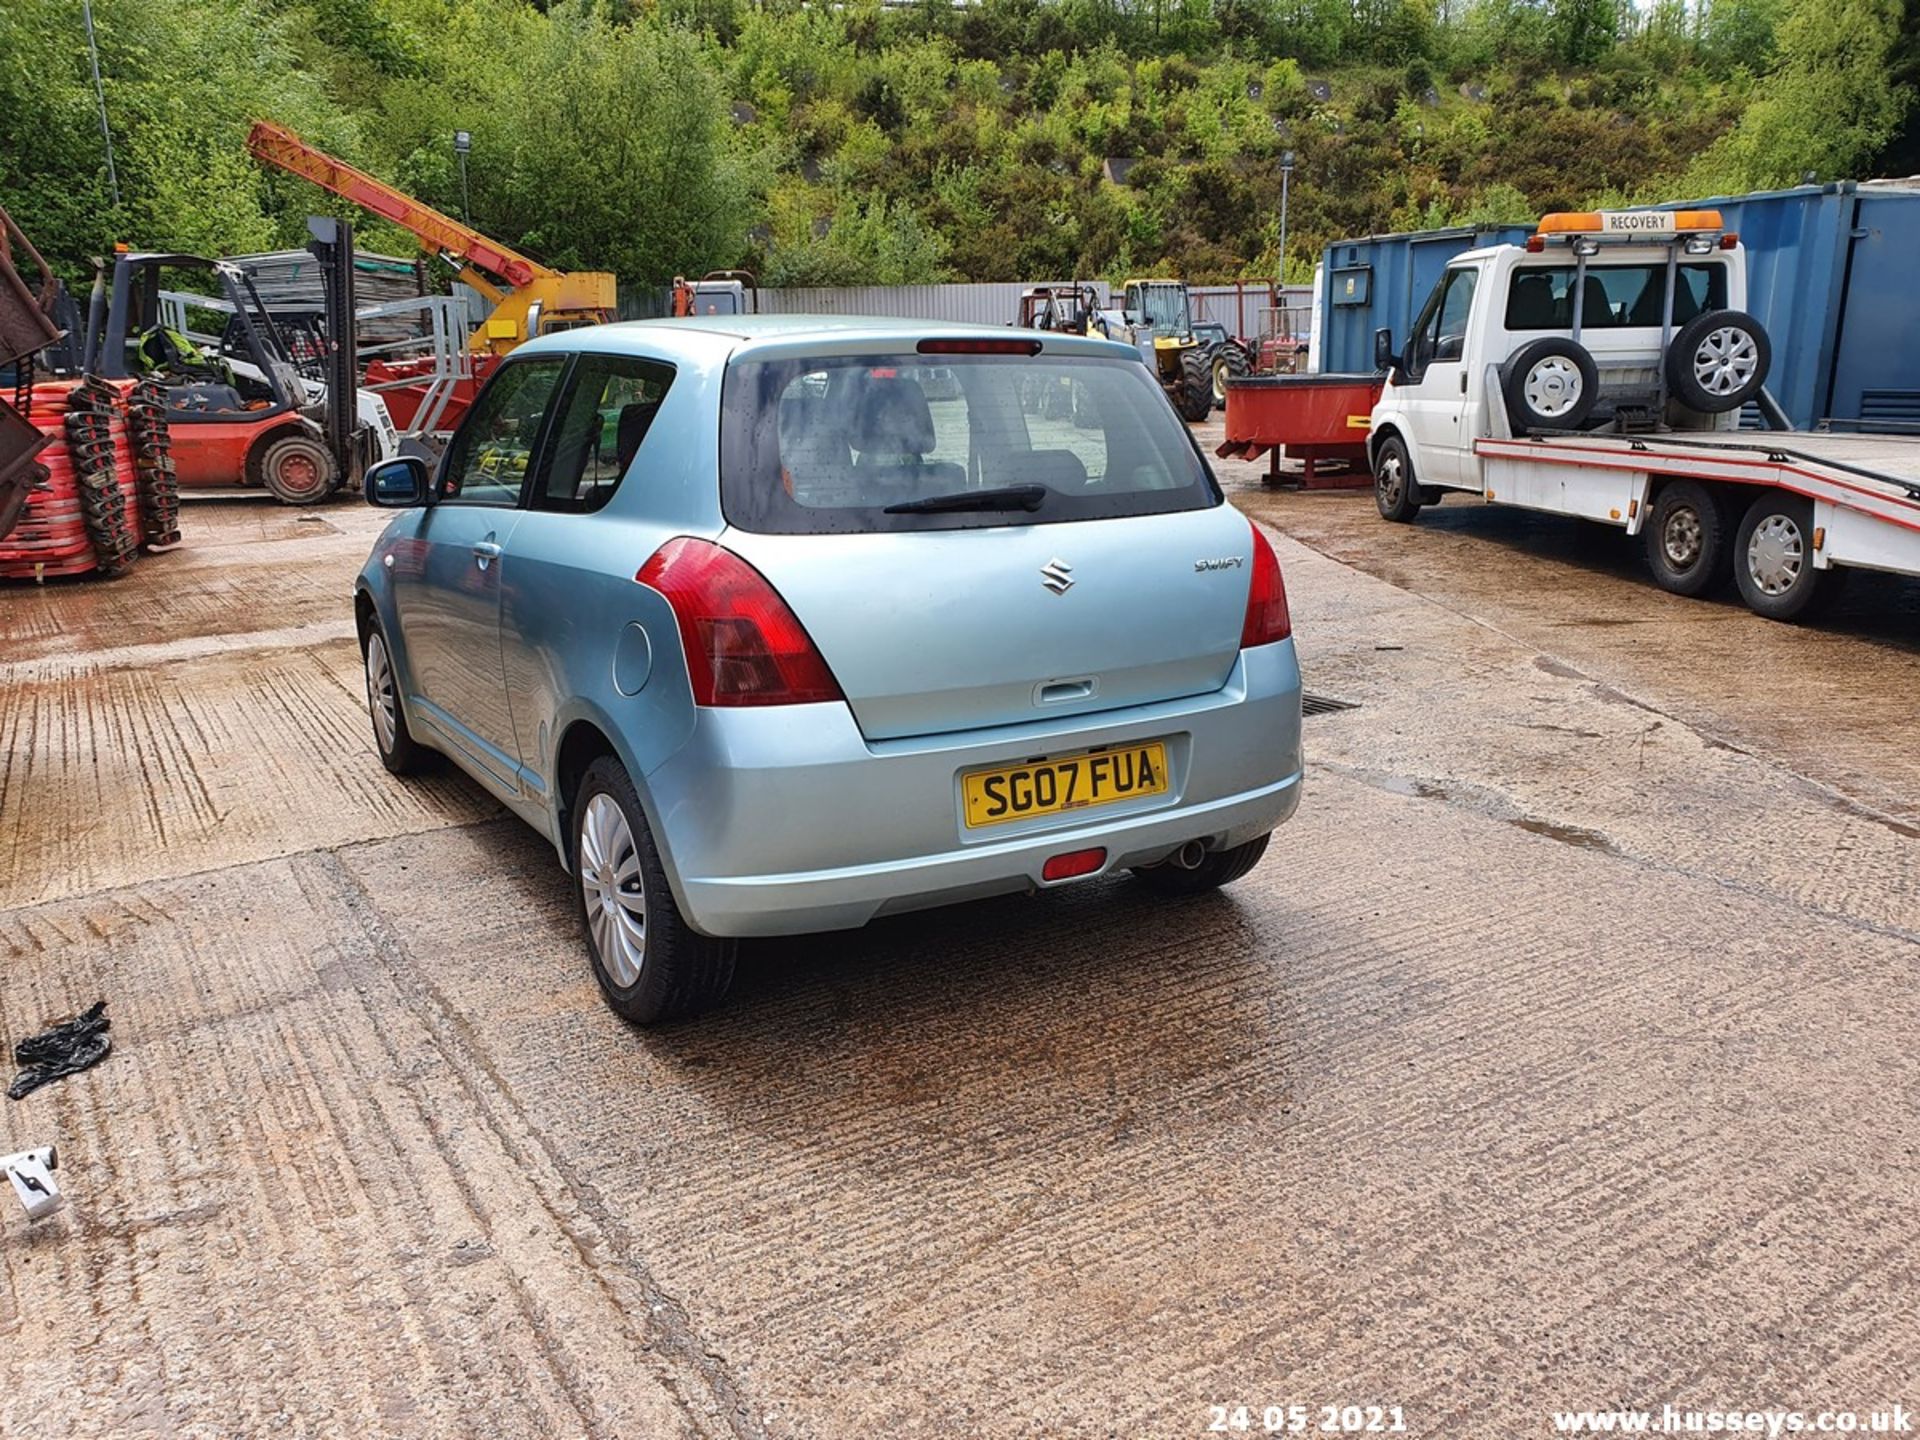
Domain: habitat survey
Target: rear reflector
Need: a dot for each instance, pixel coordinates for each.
(744, 646)
(978, 347)
(1267, 618)
(1074, 862)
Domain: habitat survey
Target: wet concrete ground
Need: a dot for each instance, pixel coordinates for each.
(1559, 1055)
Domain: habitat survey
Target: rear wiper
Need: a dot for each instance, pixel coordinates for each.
(1006, 497)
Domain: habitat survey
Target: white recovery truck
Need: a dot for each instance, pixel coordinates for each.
(1599, 370)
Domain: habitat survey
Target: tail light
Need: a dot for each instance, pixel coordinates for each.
(744, 646)
(1267, 619)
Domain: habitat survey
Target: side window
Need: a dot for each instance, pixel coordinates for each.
(1455, 308)
(1443, 325)
(608, 409)
(487, 461)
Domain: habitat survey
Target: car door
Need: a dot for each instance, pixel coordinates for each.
(449, 602)
(576, 632)
(1436, 399)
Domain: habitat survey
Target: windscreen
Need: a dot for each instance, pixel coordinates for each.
(825, 445)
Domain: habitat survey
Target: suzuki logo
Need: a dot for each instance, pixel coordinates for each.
(1057, 575)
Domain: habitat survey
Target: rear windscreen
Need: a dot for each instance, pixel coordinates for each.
(1618, 297)
(823, 445)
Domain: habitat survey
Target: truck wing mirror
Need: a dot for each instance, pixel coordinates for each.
(1383, 356)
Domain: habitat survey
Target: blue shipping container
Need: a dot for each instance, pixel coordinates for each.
(1830, 273)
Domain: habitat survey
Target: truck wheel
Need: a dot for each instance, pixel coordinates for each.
(1195, 400)
(1773, 557)
(297, 469)
(1394, 489)
(1686, 538)
(1229, 363)
(1718, 361)
(1549, 384)
(651, 964)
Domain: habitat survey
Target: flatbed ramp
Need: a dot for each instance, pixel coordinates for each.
(1864, 488)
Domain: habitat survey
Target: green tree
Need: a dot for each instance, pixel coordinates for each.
(1828, 107)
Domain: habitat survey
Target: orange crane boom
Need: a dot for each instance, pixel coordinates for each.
(528, 297)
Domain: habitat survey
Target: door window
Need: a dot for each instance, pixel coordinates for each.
(609, 407)
(487, 462)
(1443, 329)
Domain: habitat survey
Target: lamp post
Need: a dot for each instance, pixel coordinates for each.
(462, 143)
(100, 94)
(1286, 182)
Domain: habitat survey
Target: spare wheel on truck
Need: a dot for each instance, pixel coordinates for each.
(1549, 384)
(1718, 361)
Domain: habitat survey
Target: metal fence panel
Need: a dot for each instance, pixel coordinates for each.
(1238, 307)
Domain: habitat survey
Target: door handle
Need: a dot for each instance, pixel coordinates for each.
(1463, 382)
(483, 551)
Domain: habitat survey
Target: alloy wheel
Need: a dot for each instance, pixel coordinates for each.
(610, 884)
(1725, 360)
(381, 699)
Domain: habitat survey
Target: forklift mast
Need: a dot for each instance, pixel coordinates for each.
(332, 246)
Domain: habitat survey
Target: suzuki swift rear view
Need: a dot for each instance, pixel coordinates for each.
(779, 624)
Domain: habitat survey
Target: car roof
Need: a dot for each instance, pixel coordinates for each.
(712, 336)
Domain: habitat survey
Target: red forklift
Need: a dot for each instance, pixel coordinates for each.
(239, 411)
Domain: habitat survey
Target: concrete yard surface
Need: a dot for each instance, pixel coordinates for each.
(1559, 1056)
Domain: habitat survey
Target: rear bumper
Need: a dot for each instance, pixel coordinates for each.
(786, 820)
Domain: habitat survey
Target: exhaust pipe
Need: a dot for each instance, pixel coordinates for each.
(1189, 856)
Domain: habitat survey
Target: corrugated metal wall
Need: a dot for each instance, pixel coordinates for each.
(962, 304)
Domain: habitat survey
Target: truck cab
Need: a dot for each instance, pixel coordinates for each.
(1600, 320)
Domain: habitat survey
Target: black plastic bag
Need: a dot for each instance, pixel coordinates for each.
(64, 1049)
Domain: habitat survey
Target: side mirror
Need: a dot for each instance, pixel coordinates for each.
(398, 484)
(1383, 356)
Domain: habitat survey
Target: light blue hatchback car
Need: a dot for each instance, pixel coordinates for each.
(777, 624)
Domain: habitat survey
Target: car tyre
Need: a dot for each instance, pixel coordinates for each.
(1395, 490)
(1221, 867)
(1686, 539)
(1549, 384)
(1195, 400)
(651, 964)
(392, 740)
(1773, 558)
(1718, 361)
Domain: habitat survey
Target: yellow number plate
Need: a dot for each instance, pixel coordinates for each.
(1047, 787)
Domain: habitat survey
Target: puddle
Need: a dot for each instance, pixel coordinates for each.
(1573, 835)
(1558, 667)
(1415, 789)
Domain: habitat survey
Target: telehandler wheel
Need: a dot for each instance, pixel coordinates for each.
(1194, 400)
(1549, 384)
(1686, 537)
(297, 470)
(1394, 488)
(1718, 361)
(1229, 362)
